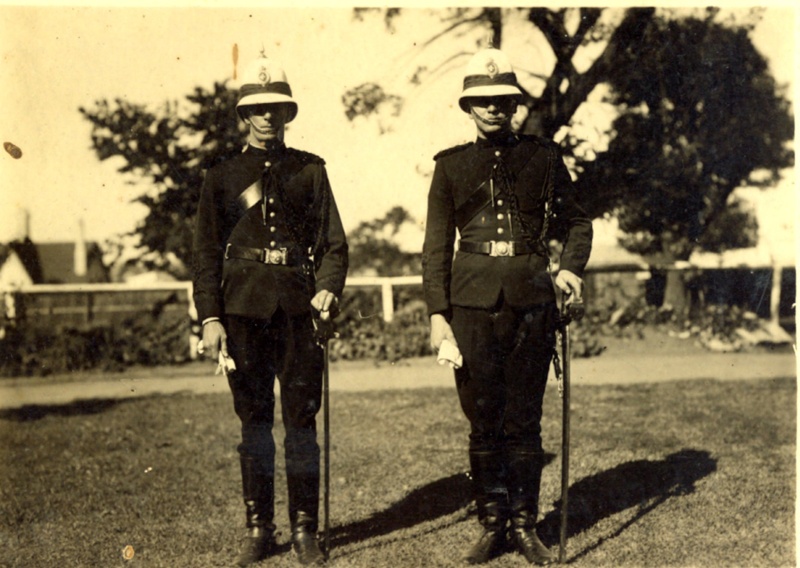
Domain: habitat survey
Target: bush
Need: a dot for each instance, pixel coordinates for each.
(363, 334)
(710, 325)
(140, 340)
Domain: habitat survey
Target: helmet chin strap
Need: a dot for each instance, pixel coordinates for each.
(479, 118)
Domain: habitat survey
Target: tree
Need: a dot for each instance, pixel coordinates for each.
(620, 35)
(374, 247)
(168, 148)
(700, 115)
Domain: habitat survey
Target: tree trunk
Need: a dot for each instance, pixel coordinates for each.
(675, 292)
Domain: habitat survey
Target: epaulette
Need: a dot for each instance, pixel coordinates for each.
(452, 150)
(306, 157)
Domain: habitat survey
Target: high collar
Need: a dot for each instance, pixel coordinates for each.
(504, 141)
(273, 148)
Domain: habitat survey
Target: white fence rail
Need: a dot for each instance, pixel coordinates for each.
(96, 299)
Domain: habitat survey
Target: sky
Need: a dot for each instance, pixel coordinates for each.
(57, 58)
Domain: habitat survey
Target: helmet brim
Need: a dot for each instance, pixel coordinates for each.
(267, 99)
(487, 91)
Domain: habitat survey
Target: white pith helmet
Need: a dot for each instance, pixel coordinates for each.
(488, 74)
(264, 82)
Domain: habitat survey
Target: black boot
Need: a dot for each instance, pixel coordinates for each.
(492, 502)
(526, 541)
(259, 501)
(525, 472)
(303, 515)
(493, 539)
(304, 540)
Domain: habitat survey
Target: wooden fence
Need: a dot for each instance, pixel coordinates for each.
(83, 305)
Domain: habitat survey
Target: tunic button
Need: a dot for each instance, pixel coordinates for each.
(499, 202)
(500, 230)
(271, 200)
(497, 153)
(272, 213)
(267, 164)
(272, 229)
(500, 216)
(272, 244)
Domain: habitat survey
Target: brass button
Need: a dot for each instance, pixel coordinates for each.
(500, 216)
(272, 229)
(499, 202)
(273, 244)
(500, 230)
(271, 200)
(272, 213)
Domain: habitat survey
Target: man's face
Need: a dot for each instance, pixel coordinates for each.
(267, 122)
(492, 115)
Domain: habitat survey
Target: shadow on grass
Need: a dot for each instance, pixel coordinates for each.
(437, 499)
(33, 412)
(643, 484)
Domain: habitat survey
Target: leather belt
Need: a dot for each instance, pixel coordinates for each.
(503, 248)
(283, 256)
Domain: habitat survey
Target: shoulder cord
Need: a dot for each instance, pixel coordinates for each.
(549, 196)
(506, 179)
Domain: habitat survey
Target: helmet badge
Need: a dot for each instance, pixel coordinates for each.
(263, 76)
(491, 68)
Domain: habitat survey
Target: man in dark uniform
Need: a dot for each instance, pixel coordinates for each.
(269, 256)
(506, 195)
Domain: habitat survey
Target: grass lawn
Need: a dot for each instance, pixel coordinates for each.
(698, 473)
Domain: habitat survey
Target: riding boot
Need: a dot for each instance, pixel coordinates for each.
(525, 473)
(303, 515)
(492, 502)
(259, 501)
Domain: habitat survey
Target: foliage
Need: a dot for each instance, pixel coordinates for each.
(167, 149)
(364, 335)
(140, 340)
(650, 463)
(700, 114)
(373, 248)
(713, 326)
(565, 30)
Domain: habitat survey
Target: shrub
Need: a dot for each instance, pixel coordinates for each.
(141, 340)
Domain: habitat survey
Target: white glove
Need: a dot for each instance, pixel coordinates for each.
(449, 354)
(226, 365)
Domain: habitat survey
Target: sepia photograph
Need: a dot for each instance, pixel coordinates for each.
(397, 287)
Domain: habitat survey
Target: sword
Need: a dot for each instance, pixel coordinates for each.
(324, 331)
(569, 312)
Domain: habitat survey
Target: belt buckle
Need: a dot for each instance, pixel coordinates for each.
(275, 256)
(501, 248)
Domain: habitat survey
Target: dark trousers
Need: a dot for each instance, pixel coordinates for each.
(501, 385)
(281, 347)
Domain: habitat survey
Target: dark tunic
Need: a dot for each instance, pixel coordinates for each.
(477, 280)
(299, 213)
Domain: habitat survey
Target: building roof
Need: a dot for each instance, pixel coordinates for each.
(54, 263)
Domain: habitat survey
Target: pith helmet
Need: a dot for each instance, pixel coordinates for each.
(264, 82)
(488, 74)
